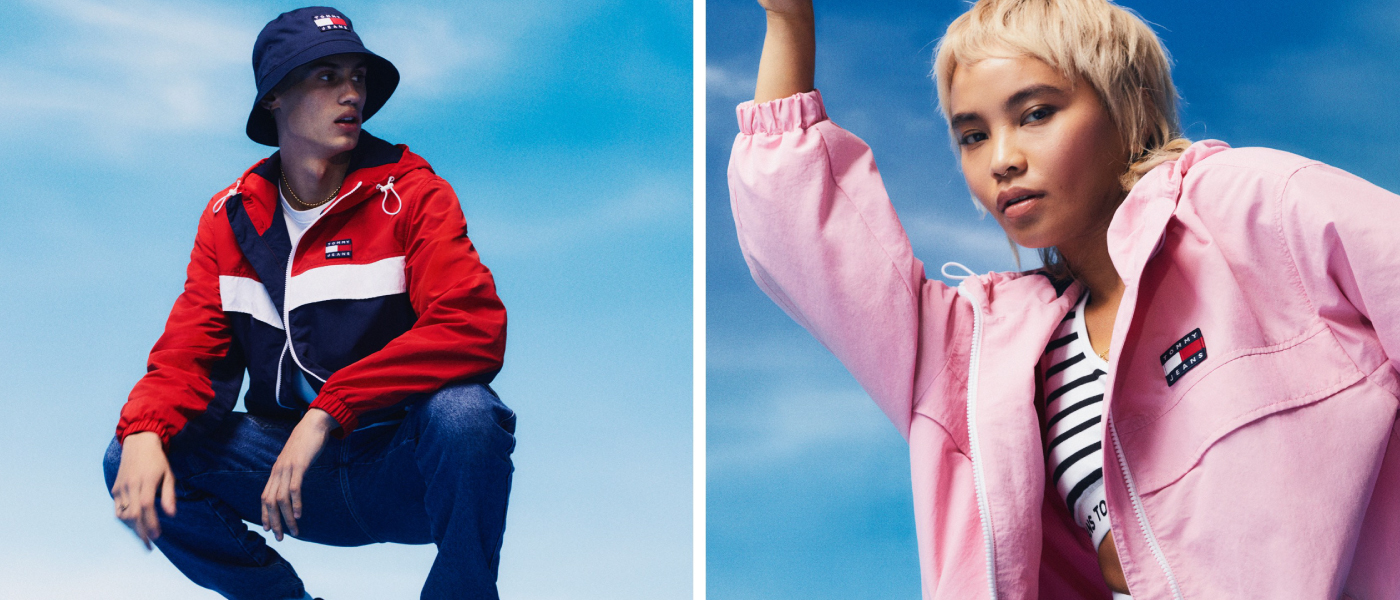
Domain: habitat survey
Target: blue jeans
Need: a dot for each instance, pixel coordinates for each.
(442, 475)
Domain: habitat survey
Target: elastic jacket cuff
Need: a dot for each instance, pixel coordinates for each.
(152, 424)
(798, 111)
(338, 411)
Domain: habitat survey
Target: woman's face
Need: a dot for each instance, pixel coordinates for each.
(1039, 151)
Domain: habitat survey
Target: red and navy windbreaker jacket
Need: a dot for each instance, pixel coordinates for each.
(383, 298)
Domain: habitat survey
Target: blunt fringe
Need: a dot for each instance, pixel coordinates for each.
(1106, 45)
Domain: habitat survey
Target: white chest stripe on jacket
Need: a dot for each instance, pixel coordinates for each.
(246, 295)
(979, 483)
(347, 282)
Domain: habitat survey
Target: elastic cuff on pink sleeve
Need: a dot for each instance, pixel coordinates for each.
(338, 411)
(798, 111)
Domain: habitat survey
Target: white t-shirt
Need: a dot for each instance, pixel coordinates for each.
(297, 220)
(1074, 387)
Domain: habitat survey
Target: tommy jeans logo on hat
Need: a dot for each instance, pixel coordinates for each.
(1183, 356)
(329, 22)
(338, 249)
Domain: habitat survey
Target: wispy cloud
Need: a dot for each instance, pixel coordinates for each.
(727, 84)
(659, 200)
(135, 67)
(791, 420)
(144, 69)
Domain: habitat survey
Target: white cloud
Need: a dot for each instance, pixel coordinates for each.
(794, 419)
(729, 85)
(655, 201)
(118, 74)
(442, 50)
(965, 239)
(104, 73)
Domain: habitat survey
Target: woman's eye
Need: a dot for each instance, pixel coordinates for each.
(972, 138)
(1038, 114)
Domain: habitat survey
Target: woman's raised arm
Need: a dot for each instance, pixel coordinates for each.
(789, 50)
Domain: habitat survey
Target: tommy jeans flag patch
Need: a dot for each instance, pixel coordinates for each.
(1183, 356)
(338, 249)
(329, 22)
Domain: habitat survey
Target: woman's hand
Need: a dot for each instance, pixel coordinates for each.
(144, 469)
(281, 499)
(791, 7)
(789, 50)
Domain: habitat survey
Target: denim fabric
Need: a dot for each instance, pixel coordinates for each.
(442, 475)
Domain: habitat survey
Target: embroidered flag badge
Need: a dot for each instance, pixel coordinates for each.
(329, 22)
(1183, 356)
(338, 249)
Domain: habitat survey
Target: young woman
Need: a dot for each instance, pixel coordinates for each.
(1195, 398)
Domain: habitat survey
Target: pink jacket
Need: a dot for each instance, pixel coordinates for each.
(1268, 469)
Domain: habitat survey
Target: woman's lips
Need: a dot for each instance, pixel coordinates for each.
(1020, 208)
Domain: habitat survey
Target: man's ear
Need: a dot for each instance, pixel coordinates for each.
(270, 102)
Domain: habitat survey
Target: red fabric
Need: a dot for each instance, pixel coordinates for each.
(459, 333)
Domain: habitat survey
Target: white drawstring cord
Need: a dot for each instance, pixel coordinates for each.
(342, 197)
(218, 204)
(960, 266)
(384, 203)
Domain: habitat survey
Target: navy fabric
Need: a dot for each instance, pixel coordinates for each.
(442, 475)
(264, 252)
(331, 334)
(301, 36)
(328, 335)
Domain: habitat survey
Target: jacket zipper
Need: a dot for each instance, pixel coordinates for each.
(979, 484)
(287, 312)
(1141, 514)
(286, 308)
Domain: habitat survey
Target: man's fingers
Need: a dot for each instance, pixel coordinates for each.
(270, 495)
(151, 519)
(167, 494)
(284, 504)
(291, 487)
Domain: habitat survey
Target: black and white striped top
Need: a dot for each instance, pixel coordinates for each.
(1074, 387)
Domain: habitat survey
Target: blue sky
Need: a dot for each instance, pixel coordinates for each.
(567, 134)
(808, 483)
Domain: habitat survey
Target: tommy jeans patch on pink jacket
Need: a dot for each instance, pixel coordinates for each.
(1250, 448)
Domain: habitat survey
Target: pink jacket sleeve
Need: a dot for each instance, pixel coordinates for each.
(1341, 231)
(822, 240)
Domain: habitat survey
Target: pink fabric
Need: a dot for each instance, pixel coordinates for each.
(1266, 471)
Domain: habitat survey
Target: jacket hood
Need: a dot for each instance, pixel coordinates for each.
(1137, 226)
(374, 167)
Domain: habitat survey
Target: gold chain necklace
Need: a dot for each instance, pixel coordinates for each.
(300, 201)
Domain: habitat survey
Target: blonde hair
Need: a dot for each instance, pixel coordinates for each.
(1107, 45)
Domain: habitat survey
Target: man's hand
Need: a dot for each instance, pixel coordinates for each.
(281, 499)
(144, 469)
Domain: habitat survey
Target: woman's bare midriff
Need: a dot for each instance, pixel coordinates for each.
(1110, 567)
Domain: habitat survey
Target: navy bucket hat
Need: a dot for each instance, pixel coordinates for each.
(299, 37)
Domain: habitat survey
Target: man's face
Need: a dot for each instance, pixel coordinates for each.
(320, 112)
